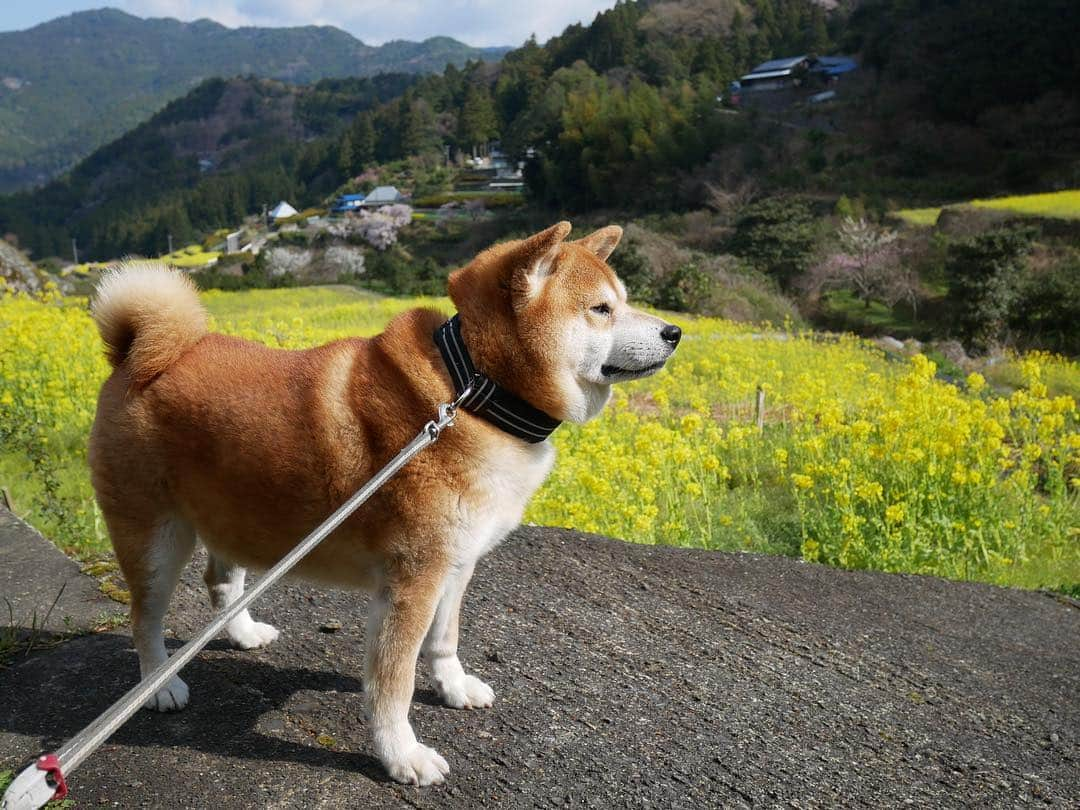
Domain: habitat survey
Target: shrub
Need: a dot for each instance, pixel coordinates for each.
(243, 257)
(632, 267)
(777, 235)
(397, 273)
(853, 209)
(1047, 312)
(685, 290)
(256, 276)
(298, 238)
(983, 276)
(965, 222)
(659, 272)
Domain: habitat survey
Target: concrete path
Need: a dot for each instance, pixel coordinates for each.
(42, 592)
(626, 676)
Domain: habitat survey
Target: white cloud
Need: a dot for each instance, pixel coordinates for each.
(477, 22)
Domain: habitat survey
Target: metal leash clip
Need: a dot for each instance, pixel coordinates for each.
(448, 410)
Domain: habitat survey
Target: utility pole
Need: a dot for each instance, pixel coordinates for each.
(74, 251)
(170, 244)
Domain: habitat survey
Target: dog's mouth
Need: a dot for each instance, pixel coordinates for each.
(617, 372)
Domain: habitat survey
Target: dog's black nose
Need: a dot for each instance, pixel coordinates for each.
(671, 333)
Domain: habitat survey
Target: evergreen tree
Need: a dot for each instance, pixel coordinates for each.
(346, 156)
(818, 35)
(363, 141)
(739, 44)
(984, 275)
(478, 123)
(418, 134)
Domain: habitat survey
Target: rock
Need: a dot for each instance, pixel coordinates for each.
(17, 273)
(951, 350)
(890, 344)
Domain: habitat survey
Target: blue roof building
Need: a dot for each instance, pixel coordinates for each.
(780, 74)
(348, 202)
(834, 65)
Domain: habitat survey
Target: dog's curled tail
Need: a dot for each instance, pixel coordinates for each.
(148, 315)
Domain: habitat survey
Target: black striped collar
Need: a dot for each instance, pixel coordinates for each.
(488, 399)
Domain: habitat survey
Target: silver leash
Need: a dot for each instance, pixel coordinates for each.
(44, 779)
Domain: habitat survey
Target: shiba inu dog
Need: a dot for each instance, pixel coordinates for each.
(200, 435)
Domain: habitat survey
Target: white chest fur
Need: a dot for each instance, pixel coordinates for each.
(503, 482)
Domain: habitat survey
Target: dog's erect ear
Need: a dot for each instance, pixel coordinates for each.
(534, 259)
(538, 251)
(602, 242)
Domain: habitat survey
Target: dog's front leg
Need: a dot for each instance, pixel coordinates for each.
(458, 689)
(399, 616)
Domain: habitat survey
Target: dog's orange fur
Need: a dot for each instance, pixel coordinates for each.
(253, 447)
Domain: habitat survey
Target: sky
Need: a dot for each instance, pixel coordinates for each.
(476, 22)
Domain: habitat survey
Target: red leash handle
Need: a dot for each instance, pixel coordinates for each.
(51, 765)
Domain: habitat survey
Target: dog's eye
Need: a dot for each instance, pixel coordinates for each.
(602, 309)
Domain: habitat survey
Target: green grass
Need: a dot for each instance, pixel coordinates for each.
(841, 310)
(1057, 205)
(1061, 376)
(920, 217)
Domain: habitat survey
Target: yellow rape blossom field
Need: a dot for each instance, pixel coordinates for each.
(861, 463)
(1056, 204)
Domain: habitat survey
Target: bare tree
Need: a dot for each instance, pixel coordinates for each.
(726, 198)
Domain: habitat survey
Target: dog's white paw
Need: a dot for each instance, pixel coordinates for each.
(467, 692)
(417, 765)
(253, 635)
(172, 697)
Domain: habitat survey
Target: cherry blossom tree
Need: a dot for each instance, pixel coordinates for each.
(379, 227)
(869, 262)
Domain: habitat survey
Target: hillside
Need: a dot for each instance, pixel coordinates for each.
(523, 100)
(72, 84)
(207, 159)
(622, 114)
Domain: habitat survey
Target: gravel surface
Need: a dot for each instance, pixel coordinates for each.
(625, 676)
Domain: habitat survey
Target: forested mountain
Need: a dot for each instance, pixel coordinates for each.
(72, 84)
(204, 161)
(975, 89)
(623, 113)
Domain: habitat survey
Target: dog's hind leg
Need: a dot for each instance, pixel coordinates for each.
(440, 650)
(399, 615)
(225, 582)
(152, 568)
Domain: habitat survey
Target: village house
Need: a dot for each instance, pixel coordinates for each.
(383, 195)
(776, 74)
(783, 77)
(348, 202)
(280, 211)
